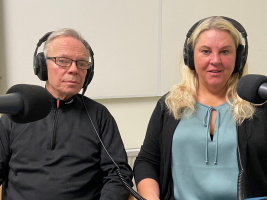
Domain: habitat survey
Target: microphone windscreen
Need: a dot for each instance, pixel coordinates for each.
(248, 86)
(37, 103)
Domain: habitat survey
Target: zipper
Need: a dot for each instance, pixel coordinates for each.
(54, 124)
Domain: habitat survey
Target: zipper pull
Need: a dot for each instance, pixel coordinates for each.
(58, 102)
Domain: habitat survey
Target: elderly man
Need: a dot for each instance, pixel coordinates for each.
(74, 152)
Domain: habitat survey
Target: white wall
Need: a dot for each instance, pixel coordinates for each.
(123, 36)
(126, 35)
(132, 116)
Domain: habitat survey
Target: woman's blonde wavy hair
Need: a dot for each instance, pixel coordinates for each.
(182, 97)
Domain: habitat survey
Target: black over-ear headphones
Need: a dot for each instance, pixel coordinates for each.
(40, 67)
(241, 51)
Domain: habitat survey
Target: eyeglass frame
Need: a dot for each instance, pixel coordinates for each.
(76, 62)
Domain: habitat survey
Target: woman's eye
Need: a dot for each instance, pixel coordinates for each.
(205, 51)
(225, 52)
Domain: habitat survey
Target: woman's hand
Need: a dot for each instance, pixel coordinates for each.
(149, 189)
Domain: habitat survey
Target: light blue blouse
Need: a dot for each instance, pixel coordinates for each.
(203, 169)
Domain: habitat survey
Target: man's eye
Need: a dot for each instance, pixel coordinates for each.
(81, 64)
(62, 61)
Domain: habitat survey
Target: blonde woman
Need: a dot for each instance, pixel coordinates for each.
(203, 141)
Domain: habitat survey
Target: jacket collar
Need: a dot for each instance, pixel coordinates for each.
(64, 104)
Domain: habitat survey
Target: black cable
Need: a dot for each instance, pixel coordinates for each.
(124, 182)
(131, 190)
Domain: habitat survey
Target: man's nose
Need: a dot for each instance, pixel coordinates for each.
(73, 66)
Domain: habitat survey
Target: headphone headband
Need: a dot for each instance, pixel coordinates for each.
(40, 67)
(241, 54)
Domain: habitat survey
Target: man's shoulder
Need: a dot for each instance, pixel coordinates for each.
(92, 104)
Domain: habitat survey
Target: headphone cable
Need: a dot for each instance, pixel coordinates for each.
(128, 187)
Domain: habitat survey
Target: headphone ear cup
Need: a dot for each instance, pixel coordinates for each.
(186, 55)
(189, 56)
(191, 63)
(89, 77)
(40, 68)
(239, 62)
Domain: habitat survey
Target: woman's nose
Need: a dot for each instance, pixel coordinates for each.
(215, 59)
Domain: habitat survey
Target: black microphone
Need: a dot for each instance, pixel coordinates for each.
(253, 88)
(26, 103)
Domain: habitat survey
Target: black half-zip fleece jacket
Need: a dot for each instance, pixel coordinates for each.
(154, 159)
(60, 157)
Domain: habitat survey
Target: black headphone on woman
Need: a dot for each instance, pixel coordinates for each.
(241, 51)
(40, 67)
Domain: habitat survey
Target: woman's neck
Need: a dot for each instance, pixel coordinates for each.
(211, 97)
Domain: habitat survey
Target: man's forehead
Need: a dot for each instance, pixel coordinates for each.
(66, 45)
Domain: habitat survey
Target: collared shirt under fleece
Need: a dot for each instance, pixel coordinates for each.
(154, 158)
(60, 157)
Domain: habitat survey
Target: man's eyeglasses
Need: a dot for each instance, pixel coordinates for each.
(66, 62)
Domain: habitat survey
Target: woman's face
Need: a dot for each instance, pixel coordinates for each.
(214, 57)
